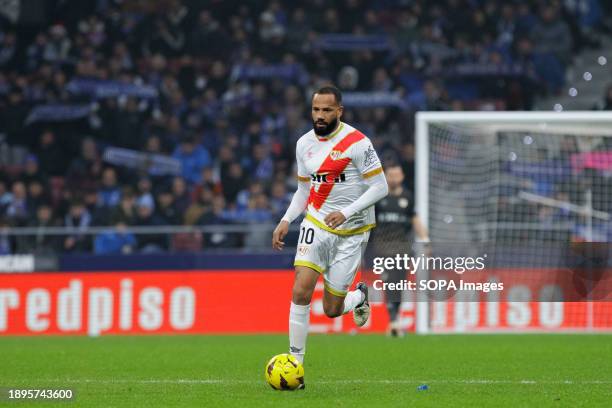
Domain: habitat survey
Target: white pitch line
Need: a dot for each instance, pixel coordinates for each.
(353, 381)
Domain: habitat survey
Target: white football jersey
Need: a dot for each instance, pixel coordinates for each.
(336, 167)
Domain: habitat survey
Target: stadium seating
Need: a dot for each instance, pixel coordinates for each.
(223, 92)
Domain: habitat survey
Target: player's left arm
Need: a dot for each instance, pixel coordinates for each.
(419, 228)
(366, 160)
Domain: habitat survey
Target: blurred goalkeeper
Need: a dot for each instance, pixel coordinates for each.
(340, 178)
(395, 220)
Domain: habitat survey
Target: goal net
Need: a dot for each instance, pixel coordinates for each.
(531, 192)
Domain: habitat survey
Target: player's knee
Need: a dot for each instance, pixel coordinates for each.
(301, 295)
(332, 310)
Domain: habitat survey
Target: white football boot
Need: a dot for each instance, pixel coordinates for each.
(361, 313)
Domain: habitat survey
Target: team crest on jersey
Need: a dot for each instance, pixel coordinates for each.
(403, 202)
(303, 250)
(335, 154)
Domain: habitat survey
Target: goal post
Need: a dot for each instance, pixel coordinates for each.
(531, 188)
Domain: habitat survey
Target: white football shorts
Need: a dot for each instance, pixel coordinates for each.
(336, 257)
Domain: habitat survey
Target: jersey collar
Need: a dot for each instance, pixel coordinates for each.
(331, 136)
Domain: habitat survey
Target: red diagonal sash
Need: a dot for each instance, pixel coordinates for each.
(333, 169)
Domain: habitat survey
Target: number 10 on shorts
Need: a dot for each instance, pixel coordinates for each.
(306, 236)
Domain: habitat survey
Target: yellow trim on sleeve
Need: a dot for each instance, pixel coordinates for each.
(333, 291)
(372, 173)
(310, 265)
(303, 178)
(353, 231)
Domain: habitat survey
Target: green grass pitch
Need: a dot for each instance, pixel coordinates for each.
(341, 370)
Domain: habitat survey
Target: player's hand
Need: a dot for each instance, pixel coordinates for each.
(334, 219)
(279, 234)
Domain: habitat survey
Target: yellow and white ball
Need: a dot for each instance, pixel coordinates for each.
(284, 372)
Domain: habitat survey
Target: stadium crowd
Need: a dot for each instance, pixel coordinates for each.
(117, 113)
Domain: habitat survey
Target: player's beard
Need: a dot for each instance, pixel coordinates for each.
(325, 131)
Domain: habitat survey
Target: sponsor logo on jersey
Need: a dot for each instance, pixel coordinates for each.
(323, 178)
(335, 167)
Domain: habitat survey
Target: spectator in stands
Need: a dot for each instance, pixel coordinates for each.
(551, 35)
(52, 160)
(166, 209)
(583, 17)
(300, 28)
(35, 52)
(226, 156)
(257, 212)
(85, 170)
(77, 221)
(164, 38)
(93, 29)
(280, 199)
(208, 37)
(180, 194)
(200, 206)
(146, 217)
(506, 26)
(153, 145)
(5, 198)
(41, 242)
(99, 215)
(233, 183)
(193, 158)
(7, 245)
(433, 98)
(58, 47)
(261, 166)
(217, 216)
(129, 124)
(19, 209)
(240, 77)
(14, 114)
(8, 49)
(117, 240)
(37, 195)
(109, 194)
(568, 146)
(31, 171)
(244, 196)
(145, 193)
(126, 211)
(208, 179)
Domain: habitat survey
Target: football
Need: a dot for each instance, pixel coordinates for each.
(284, 372)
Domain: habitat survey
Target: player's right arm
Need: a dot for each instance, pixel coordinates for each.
(296, 207)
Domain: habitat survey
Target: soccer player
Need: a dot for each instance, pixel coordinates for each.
(340, 178)
(395, 220)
